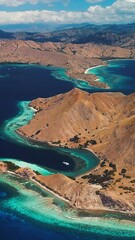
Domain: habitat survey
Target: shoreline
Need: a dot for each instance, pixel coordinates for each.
(37, 183)
(96, 170)
(75, 63)
(49, 144)
(98, 79)
(56, 145)
(82, 77)
(30, 141)
(55, 194)
(88, 69)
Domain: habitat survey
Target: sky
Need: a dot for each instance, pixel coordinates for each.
(66, 11)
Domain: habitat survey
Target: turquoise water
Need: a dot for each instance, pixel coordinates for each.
(26, 211)
(60, 73)
(83, 159)
(26, 199)
(118, 74)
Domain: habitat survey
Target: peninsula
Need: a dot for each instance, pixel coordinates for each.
(104, 123)
(81, 196)
(75, 58)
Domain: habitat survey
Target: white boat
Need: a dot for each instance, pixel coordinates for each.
(66, 163)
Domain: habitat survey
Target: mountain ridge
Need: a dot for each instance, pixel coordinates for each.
(117, 35)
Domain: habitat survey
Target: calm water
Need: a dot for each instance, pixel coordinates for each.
(25, 210)
(118, 74)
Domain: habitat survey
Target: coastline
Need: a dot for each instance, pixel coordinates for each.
(74, 64)
(33, 178)
(97, 79)
(40, 185)
(98, 222)
(11, 131)
(88, 69)
(96, 170)
(65, 150)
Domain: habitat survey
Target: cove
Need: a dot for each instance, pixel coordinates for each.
(119, 75)
(80, 161)
(21, 84)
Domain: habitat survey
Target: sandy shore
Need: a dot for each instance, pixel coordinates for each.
(96, 211)
(87, 70)
(97, 79)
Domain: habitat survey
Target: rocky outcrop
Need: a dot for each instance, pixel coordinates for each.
(3, 167)
(25, 172)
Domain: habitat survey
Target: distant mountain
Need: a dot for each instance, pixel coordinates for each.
(118, 35)
(40, 27)
(103, 34)
(6, 35)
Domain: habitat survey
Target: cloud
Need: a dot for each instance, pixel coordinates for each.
(16, 3)
(94, 1)
(122, 11)
(133, 1)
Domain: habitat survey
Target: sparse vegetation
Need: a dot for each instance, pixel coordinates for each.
(56, 142)
(75, 139)
(12, 167)
(37, 132)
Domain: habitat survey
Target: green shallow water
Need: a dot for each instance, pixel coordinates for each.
(34, 203)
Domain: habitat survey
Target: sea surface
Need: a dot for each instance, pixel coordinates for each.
(118, 74)
(26, 211)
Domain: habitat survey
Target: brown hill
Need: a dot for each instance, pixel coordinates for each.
(102, 122)
(80, 195)
(84, 196)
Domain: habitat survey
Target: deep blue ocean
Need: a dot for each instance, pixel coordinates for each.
(19, 199)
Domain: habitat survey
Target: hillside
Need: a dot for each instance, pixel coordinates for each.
(75, 58)
(83, 196)
(102, 122)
